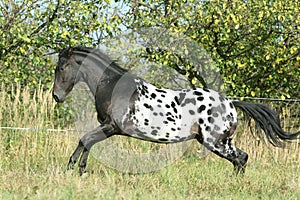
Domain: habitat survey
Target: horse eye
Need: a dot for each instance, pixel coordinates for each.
(61, 69)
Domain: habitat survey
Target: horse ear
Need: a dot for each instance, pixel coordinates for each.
(70, 52)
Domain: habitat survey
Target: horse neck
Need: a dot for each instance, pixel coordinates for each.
(92, 75)
(93, 71)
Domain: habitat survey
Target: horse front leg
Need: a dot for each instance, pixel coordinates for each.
(85, 144)
(75, 155)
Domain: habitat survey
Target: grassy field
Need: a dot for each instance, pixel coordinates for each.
(33, 163)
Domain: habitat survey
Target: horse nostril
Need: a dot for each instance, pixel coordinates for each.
(55, 97)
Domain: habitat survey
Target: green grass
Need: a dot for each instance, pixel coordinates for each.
(33, 164)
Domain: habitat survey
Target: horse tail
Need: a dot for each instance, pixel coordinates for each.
(267, 120)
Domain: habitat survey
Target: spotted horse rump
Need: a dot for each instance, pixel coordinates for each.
(127, 105)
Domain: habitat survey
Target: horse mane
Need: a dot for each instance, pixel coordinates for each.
(88, 51)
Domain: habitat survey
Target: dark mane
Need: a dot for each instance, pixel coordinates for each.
(88, 51)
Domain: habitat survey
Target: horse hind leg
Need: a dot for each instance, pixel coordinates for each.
(242, 158)
(225, 149)
(235, 155)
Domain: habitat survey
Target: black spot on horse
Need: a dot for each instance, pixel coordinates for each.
(201, 108)
(189, 100)
(154, 132)
(200, 98)
(173, 104)
(208, 128)
(193, 101)
(221, 98)
(161, 91)
(191, 112)
(228, 117)
(209, 111)
(201, 121)
(148, 106)
(153, 95)
(198, 93)
(206, 90)
(179, 99)
(175, 110)
(167, 106)
(145, 87)
(215, 114)
(211, 98)
(163, 139)
(211, 120)
(170, 119)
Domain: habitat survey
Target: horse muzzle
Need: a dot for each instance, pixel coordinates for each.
(59, 98)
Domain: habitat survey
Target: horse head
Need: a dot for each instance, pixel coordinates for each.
(66, 75)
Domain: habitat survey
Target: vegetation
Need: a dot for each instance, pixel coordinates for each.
(254, 44)
(31, 31)
(33, 162)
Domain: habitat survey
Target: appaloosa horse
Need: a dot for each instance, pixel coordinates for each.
(127, 105)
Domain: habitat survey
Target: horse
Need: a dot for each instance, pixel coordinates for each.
(129, 106)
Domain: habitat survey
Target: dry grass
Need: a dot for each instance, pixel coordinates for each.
(33, 163)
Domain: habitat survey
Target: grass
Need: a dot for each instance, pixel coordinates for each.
(33, 163)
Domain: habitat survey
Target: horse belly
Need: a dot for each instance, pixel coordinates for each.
(159, 119)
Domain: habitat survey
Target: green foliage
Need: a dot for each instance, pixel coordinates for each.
(254, 43)
(30, 31)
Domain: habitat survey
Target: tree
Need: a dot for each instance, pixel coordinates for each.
(31, 30)
(254, 43)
